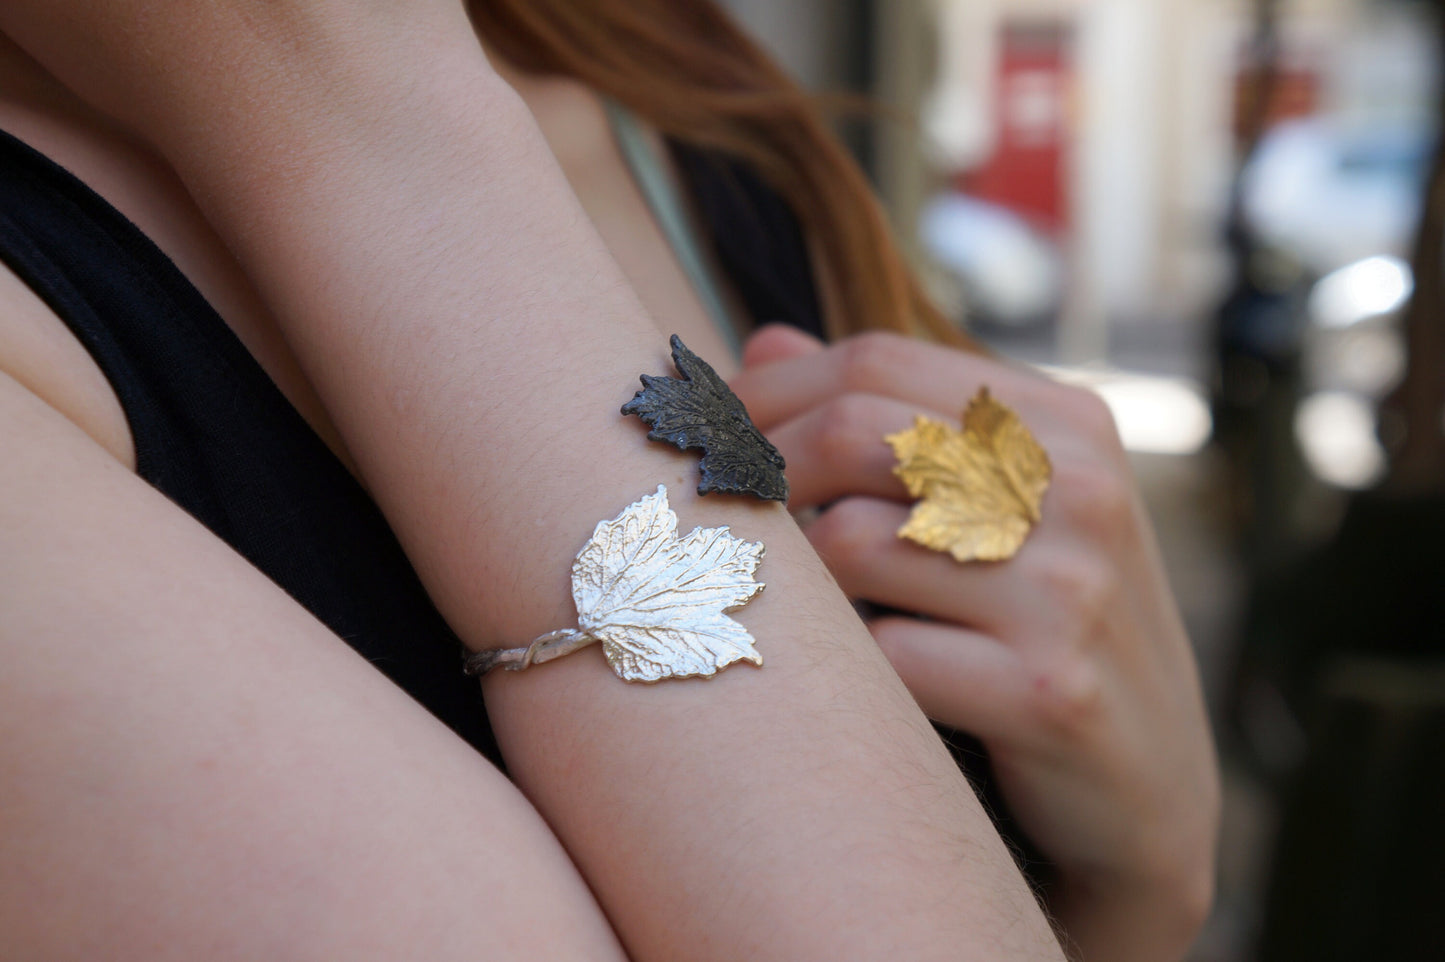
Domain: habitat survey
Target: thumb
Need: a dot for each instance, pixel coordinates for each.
(778, 342)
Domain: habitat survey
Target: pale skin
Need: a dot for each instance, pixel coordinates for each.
(1071, 663)
(647, 265)
(248, 788)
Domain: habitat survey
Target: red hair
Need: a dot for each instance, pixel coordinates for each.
(690, 71)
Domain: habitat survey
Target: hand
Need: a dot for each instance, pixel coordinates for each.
(1069, 661)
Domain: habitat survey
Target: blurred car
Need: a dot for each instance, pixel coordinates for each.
(1344, 203)
(1010, 275)
(1332, 194)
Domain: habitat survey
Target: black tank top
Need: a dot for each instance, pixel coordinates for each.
(214, 434)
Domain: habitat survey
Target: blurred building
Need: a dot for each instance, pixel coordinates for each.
(1108, 126)
(1073, 190)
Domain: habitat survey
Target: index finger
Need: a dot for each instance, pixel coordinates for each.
(931, 376)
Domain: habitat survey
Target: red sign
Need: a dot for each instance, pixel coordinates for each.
(1028, 171)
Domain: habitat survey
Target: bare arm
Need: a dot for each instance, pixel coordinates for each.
(192, 767)
(473, 341)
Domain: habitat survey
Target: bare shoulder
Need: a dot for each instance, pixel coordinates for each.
(192, 766)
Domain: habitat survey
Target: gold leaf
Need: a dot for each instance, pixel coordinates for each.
(981, 487)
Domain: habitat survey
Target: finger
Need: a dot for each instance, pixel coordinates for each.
(778, 342)
(962, 678)
(838, 449)
(927, 375)
(857, 539)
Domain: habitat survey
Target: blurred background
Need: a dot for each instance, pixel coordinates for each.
(1228, 217)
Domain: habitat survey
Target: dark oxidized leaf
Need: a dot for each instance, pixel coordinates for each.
(699, 410)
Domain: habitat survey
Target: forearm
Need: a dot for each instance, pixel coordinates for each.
(474, 341)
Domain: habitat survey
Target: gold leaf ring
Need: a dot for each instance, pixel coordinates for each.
(979, 489)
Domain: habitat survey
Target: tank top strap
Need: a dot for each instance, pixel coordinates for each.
(670, 212)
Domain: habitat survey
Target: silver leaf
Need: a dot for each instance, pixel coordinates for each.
(657, 602)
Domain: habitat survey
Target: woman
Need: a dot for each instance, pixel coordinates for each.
(1126, 824)
(245, 762)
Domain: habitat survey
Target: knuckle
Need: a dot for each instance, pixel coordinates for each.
(843, 431)
(1080, 587)
(1096, 496)
(843, 536)
(1090, 417)
(871, 361)
(1067, 694)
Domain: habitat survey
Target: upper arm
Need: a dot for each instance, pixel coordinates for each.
(191, 766)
